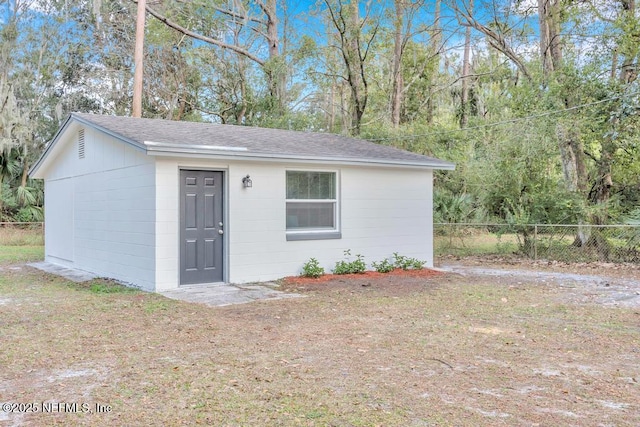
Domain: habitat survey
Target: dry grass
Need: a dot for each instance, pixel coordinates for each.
(391, 351)
(21, 243)
(21, 235)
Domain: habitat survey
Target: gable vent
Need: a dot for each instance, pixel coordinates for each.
(81, 144)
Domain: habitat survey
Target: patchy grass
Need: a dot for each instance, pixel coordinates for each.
(19, 254)
(21, 245)
(390, 351)
(463, 243)
(104, 286)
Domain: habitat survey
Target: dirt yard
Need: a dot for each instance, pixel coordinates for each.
(452, 349)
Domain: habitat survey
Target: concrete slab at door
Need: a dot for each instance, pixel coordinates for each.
(201, 227)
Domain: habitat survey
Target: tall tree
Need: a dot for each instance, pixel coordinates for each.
(466, 70)
(399, 43)
(405, 12)
(41, 45)
(497, 33)
(261, 19)
(622, 111)
(435, 49)
(549, 17)
(355, 41)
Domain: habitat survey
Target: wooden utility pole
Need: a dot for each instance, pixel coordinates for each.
(138, 54)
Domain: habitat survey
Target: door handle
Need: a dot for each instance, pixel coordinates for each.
(220, 232)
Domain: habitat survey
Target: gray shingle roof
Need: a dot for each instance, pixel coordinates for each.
(270, 142)
(243, 141)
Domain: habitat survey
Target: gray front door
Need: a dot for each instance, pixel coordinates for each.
(201, 227)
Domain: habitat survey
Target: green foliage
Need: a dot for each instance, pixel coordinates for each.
(355, 266)
(312, 268)
(634, 217)
(29, 214)
(406, 263)
(22, 204)
(59, 57)
(456, 208)
(384, 266)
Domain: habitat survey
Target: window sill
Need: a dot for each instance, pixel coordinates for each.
(323, 235)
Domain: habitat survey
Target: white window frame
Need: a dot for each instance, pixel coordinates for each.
(316, 233)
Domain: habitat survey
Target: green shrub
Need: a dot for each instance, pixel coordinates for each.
(384, 266)
(312, 269)
(406, 263)
(350, 267)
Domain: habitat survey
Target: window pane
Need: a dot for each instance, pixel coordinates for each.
(310, 215)
(311, 185)
(326, 188)
(294, 184)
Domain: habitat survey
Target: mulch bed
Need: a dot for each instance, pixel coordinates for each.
(367, 275)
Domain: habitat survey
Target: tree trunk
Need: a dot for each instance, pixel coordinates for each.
(600, 191)
(397, 85)
(466, 66)
(276, 73)
(354, 50)
(628, 72)
(25, 174)
(550, 47)
(356, 73)
(436, 49)
(138, 55)
(344, 108)
(331, 120)
(572, 158)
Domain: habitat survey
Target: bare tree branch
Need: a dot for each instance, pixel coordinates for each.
(496, 40)
(237, 49)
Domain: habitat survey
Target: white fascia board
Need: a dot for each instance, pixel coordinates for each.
(241, 153)
(199, 148)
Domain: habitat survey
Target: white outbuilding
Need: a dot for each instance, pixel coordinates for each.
(161, 204)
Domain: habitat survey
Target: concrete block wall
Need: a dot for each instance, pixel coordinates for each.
(100, 210)
(382, 210)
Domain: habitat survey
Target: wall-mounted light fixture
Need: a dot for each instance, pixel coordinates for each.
(246, 182)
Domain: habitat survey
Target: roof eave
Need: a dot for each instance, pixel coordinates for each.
(158, 149)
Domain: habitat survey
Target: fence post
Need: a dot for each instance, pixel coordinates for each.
(535, 242)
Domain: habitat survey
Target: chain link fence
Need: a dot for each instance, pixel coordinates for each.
(558, 242)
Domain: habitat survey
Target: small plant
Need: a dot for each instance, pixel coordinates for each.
(384, 266)
(312, 269)
(406, 263)
(350, 267)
